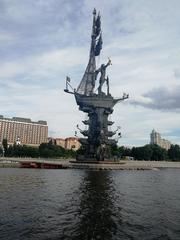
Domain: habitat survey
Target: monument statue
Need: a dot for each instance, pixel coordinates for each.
(103, 78)
(97, 140)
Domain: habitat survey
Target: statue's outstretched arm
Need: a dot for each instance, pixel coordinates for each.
(108, 63)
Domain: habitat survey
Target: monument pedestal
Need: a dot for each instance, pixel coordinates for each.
(97, 145)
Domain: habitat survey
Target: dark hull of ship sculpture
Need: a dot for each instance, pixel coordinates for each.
(97, 141)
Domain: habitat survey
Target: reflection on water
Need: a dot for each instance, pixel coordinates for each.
(89, 205)
(96, 207)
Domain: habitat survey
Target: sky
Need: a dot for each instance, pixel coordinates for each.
(43, 41)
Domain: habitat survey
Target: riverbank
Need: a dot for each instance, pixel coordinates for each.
(71, 163)
(7, 164)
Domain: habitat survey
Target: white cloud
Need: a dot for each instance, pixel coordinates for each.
(47, 64)
(48, 42)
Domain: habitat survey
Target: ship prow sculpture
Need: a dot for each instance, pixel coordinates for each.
(97, 140)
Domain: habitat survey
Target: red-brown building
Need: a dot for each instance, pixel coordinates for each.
(72, 143)
(67, 143)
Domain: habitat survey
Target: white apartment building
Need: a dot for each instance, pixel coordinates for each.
(23, 130)
(155, 138)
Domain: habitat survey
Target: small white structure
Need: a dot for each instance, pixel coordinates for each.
(18, 141)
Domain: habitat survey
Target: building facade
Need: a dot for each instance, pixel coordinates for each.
(155, 138)
(23, 130)
(72, 143)
(67, 143)
(60, 142)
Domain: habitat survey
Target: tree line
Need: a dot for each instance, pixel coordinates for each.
(49, 150)
(148, 152)
(45, 150)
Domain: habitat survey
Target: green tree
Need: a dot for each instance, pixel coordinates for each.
(137, 153)
(5, 145)
(50, 150)
(149, 152)
(125, 151)
(1, 151)
(146, 152)
(114, 150)
(174, 153)
(158, 153)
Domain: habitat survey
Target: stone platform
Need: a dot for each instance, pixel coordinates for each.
(105, 165)
(123, 165)
(108, 165)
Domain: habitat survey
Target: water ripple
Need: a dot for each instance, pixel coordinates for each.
(81, 204)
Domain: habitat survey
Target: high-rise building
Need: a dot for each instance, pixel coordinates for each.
(23, 130)
(155, 138)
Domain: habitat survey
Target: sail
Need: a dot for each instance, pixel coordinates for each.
(98, 25)
(87, 83)
(98, 46)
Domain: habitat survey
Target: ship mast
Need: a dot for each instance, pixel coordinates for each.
(87, 84)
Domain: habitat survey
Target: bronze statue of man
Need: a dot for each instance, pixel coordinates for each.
(102, 78)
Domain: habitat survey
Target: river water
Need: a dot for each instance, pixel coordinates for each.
(80, 204)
